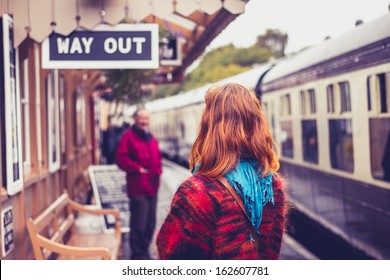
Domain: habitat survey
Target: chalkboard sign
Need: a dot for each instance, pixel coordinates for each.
(110, 191)
(7, 231)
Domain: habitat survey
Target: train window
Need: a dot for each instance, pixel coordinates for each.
(182, 130)
(380, 148)
(286, 126)
(303, 103)
(288, 104)
(282, 106)
(369, 93)
(25, 109)
(286, 139)
(330, 98)
(271, 118)
(378, 93)
(285, 108)
(312, 101)
(267, 112)
(341, 145)
(309, 141)
(308, 102)
(383, 93)
(345, 97)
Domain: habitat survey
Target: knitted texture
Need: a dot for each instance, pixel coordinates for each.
(205, 222)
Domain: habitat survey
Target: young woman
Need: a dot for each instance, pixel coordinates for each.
(233, 207)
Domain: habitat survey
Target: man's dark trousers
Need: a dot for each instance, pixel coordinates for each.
(142, 224)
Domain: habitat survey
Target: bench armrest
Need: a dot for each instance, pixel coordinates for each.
(72, 250)
(81, 208)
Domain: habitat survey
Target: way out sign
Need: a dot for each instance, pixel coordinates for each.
(124, 46)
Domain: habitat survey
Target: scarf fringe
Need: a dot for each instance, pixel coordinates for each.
(254, 190)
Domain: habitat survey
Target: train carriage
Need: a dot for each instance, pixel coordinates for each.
(329, 108)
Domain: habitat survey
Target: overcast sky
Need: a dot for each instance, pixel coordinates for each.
(307, 22)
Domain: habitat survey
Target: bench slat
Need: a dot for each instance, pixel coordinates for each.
(91, 240)
(64, 227)
(58, 220)
(51, 212)
(63, 249)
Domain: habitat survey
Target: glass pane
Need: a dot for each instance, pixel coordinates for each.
(330, 98)
(309, 141)
(312, 97)
(341, 145)
(380, 148)
(345, 97)
(369, 93)
(282, 109)
(288, 104)
(383, 92)
(286, 139)
(303, 103)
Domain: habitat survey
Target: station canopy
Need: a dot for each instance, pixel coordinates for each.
(196, 22)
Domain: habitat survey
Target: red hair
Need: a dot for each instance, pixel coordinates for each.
(233, 127)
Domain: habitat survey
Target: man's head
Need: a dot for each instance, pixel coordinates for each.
(141, 118)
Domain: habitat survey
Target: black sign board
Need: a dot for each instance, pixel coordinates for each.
(124, 46)
(170, 51)
(7, 230)
(110, 191)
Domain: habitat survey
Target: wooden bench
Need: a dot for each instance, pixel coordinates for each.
(54, 234)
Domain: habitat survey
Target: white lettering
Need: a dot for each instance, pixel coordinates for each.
(124, 49)
(110, 45)
(76, 46)
(87, 43)
(63, 45)
(138, 41)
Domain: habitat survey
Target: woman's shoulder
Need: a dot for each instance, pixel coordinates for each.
(279, 182)
(199, 187)
(199, 183)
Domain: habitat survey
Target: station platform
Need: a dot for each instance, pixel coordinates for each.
(173, 175)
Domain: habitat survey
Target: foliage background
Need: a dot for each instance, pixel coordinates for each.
(128, 86)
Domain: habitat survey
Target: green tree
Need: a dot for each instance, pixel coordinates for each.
(274, 40)
(220, 63)
(200, 77)
(224, 62)
(252, 55)
(129, 85)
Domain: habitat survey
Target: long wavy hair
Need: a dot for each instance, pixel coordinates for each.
(233, 127)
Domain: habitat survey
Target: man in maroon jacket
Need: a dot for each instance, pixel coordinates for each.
(139, 156)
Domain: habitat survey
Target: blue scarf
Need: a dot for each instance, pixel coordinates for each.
(255, 191)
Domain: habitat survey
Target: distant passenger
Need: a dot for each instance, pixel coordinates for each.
(109, 142)
(233, 159)
(139, 156)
